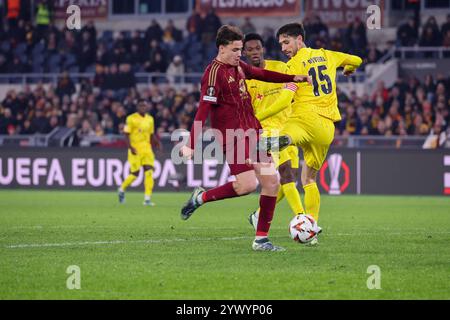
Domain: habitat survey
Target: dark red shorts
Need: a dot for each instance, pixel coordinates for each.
(237, 154)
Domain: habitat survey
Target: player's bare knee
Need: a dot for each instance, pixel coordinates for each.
(270, 185)
(244, 187)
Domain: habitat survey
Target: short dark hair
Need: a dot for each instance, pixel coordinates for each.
(253, 36)
(227, 34)
(141, 100)
(292, 30)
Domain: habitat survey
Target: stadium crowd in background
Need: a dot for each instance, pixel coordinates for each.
(38, 45)
(101, 104)
(408, 108)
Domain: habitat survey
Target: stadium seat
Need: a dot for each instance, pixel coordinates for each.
(37, 68)
(73, 69)
(70, 60)
(5, 46)
(38, 48)
(107, 35)
(126, 34)
(53, 63)
(90, 69)
(20, 49)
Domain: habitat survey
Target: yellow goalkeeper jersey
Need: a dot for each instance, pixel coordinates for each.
(263, 94)
(321, 65)
(140, 130)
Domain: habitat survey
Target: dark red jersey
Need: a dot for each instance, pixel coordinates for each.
(225, 98)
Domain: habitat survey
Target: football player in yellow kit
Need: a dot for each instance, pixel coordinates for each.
(314, 108)
(139, 131)
(263, 95)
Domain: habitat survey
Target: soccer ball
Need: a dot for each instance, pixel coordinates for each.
(303, 228)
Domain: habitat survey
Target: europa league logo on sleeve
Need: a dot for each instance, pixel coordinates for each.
(335, 166)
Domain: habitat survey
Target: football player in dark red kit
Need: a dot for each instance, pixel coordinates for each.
(225, 98)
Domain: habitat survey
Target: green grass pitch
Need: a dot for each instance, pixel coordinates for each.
(135, 252)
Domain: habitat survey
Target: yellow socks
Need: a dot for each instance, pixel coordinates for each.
(148, 183)
(290, 192)
(293, 197)
(128, 181)
(280, 195)
(312, 200)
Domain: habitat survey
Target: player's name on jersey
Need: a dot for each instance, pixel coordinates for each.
(316, 60)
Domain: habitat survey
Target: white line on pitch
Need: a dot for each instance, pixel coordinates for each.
(87, 243)
(150, 241)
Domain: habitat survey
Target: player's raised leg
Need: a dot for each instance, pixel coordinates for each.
(245, 183)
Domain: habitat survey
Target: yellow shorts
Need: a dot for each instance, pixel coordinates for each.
(290, 153)
(313, 133)
(140, 159)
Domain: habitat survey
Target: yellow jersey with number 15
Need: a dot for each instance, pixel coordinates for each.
(321, 96)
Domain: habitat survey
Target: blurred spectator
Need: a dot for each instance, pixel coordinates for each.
(43, 17)
(248, 27)
(12, 13)
(40, 123)
(154, 32)
(6, 120)
(87, 53)
(171, 33)
(135, 56)
(430, 37)
(175, 71)
(85, 130)
(446, 26)
(407, 34)
(127, 79)
(2, 14)
(446, 42)
(194, 25)
(436, 138)
(272, 48)
(90, 28)
(65, 86)
(157, 64)
(211, 23)
(356, 37)
(315, 31)
(153, 50)
(18, 66)
(432, 23)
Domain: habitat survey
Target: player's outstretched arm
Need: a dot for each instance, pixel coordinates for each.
(349, 59)
(282, 102)
(260, 74)
(350, 63)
